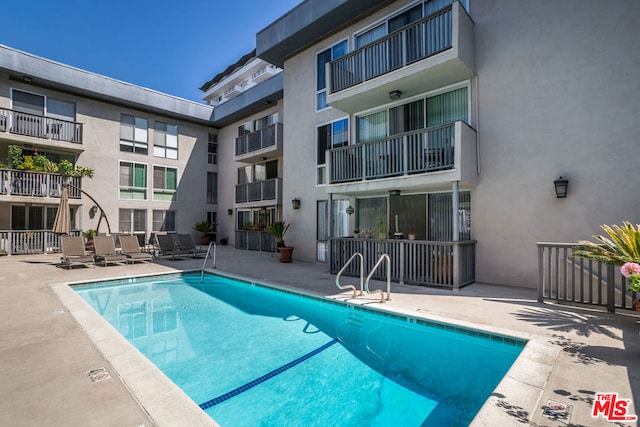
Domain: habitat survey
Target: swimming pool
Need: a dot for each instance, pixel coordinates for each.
(252, 355)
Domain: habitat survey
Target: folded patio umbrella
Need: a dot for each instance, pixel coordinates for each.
(62, 222)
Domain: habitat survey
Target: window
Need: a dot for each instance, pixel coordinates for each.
(212, 149)
(165, 140)
(322, 59)
(332, 135)
(372, 126)
(165, 183)
(164, 221)
(133, 134)
(394, 23)
(212, 187)
(441, 217)
(133, 221)
(448, 107)
(133, 181)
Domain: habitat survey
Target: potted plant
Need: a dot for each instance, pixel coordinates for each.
(411, 235)
(205, 228)
(89, 235)
(277, 230)
(356, 233)
(382, 229)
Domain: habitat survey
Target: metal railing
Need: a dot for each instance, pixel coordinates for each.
(31, 241)
(420, 40)
(39, 126)
(424, 150)
(258, 191)
(263, 138)
(443, 264)
(563, 277)
(353, 288)
(37, 184)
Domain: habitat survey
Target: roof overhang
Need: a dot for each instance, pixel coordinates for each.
(307, 23)
(249, 102)
(43, 72)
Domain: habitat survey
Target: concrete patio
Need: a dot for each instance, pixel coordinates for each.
(50, 340)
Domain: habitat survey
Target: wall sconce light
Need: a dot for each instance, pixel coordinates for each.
(295, 203)
(349, 210)
(92, 211)
(561, 185)
(395, 94)
(229, 211)
(394, 192)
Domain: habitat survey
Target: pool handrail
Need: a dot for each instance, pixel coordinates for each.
(206, 257)
(375, 267)
(361, 274)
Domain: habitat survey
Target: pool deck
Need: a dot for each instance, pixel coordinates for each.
(51, 340)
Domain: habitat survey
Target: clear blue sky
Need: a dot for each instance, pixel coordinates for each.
(169, 46)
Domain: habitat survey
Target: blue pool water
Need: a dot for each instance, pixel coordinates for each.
(250, 355)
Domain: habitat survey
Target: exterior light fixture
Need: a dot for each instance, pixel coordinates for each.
(349, 210)
(395, 94)
(561, 187)
(394, 192)
(229, 211)
(295, 203)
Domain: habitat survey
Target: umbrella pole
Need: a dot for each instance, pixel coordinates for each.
(102, 214)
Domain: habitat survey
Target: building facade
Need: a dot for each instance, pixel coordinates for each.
(450, 121)
(154, 166)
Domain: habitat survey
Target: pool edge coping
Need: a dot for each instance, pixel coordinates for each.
(515, 390)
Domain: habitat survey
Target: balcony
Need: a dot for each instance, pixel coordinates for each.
(36, 184)
(433, 52)
(255, 145)
(33, 125)
(263, 74)
(426, 158)
(269, 191)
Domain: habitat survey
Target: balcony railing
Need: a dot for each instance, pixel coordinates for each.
(423, 39)
(254, 240)
(263, 138)
(443, 264)
(425, 150)
(37, 184)
(269, 189)
(31, 241)
(20, 123)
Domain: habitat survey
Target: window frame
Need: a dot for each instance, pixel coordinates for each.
(133, 188)
(212, 149)
(323, 91)
(161, 143)
(321, 167)
(137, 146)
(158, 191)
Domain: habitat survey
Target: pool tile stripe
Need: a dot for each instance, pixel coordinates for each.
(275, 372)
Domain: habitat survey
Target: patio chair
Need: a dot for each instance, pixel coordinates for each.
(185, 243)
(73, 252)
(166, 245)
(106, 250)
(131, 249)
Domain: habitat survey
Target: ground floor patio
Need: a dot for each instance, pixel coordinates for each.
(48, 345)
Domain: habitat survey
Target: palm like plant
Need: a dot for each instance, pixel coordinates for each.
(620, 245)
(278, 229)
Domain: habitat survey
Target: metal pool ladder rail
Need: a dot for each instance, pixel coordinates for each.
(361, 274)
(375, 267)
(206, 257)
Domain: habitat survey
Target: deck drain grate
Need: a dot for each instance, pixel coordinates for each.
(57, 311)
(97, 375)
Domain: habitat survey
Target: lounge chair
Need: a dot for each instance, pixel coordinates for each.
(131, 249)
(106, 251)
(166, 245)
(73, 252)
(185, 243)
